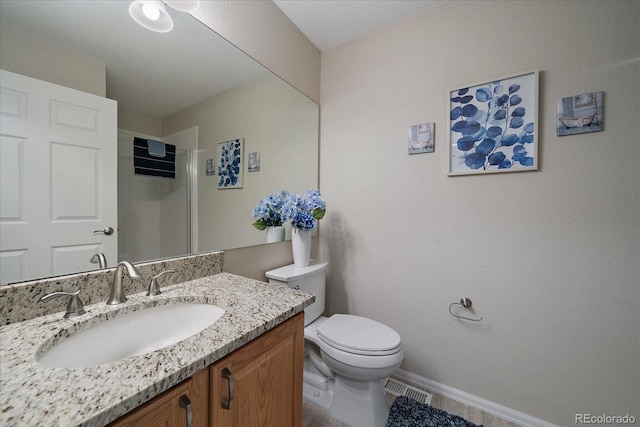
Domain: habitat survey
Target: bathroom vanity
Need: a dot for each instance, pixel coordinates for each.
(245, 369)
(258, 384)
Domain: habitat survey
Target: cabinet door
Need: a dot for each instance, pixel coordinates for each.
(185, 405)
(260, 384)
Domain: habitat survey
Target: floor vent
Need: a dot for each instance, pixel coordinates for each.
(398, 388)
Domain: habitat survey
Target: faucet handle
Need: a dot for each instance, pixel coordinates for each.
(75, 307)
(154, 286)
(99, 259)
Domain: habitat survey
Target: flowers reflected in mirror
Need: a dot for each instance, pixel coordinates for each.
(302, 211)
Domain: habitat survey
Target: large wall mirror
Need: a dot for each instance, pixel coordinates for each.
(188, 87)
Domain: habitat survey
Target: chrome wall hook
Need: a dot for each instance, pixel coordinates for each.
(466, 303)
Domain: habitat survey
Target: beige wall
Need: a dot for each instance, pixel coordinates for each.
(139, 122)
(549, 258)
(264, 32)
(24, 55)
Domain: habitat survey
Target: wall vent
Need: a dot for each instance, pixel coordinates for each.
(398, 388)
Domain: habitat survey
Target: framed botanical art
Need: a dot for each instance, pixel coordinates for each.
(493, 126)
(230, 154)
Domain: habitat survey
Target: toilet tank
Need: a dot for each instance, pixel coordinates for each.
(309, 279)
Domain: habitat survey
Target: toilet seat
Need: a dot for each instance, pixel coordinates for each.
(359, 335)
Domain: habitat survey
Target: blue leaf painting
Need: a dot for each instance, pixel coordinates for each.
(486, 147)
(519, 112)
(466, 143)
(229, 166)
(516, 122)
(470, 128)
(469, 110)
(497, 158)
(484, 94)
(526, 139)
(475, 160)
(500, 115)
(510, 139)
(529, 128)
(494, 131)
(492, 123)
(458, 126)
(502, 100)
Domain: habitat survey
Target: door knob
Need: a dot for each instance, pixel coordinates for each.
(107, 231)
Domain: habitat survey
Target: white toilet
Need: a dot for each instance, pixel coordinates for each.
(346, 357)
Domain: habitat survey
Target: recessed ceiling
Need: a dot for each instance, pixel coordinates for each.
(329, 23)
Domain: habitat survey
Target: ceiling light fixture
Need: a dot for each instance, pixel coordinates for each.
(152, 15)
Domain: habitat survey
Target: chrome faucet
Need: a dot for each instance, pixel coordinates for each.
(75, 307)
(99, 259)
(154, 286)
(117, 295)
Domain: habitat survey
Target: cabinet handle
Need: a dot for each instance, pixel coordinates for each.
(186, 404)
(227, 403)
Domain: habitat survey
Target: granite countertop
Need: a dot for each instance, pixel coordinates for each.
(34, 395)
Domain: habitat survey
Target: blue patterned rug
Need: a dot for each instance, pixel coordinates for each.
(407, 412)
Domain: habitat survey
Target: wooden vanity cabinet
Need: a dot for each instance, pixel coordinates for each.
(170, 409)
(260, 384)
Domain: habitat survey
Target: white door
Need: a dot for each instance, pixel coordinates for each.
(58, 184)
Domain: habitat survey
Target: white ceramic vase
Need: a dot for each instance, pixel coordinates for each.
(275, 234)
(301, 245)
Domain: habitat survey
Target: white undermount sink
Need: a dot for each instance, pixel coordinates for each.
(132, 334)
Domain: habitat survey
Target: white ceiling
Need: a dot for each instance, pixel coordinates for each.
(330, 23)
(160, 74)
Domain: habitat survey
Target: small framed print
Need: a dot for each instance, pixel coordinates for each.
(254, 162)
(230, 164)
(580, 114)
(421, 138)
(210, 170)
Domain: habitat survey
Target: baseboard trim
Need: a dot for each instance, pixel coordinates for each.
(471, 400)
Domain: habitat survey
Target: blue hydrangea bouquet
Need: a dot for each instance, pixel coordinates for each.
(302, 211)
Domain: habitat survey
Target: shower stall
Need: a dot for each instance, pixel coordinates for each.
(156, 216)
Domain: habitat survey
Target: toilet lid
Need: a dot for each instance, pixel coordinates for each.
(360, 335)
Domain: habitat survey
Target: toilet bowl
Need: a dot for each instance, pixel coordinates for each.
(346, 356)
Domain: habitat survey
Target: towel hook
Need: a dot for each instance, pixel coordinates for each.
(466, 303)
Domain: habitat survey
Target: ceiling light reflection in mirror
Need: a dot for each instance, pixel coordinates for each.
(153, 14)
